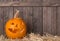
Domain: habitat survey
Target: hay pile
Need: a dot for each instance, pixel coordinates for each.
(33, 37)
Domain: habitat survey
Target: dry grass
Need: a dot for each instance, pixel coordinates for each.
(33, 37)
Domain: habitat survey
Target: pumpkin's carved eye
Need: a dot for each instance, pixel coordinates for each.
(12, 23)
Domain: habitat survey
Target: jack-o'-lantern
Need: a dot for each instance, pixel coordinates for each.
(15, 27)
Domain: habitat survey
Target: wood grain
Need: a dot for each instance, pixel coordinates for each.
(51, 2)
(49, 20)
(29, 2)
(1, 21)
(37, 20)
(28, 18)
(7, 14)
(20, 2)
(58, 21)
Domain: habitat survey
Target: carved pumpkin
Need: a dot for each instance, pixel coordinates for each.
(15, 27)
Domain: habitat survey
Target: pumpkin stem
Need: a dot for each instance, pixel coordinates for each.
(16, 14)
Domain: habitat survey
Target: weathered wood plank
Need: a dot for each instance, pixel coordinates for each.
(1, 21)
(37, 20)
(4, 1)
(28, 18)
(7, 1)
(53, 20)
(1, 0)
(58, 21)
(21, 3)
(26, 15)
(7, 14)
(29, 2)
(49, 20)
(51, 2)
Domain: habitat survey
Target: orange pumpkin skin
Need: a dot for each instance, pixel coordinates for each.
(15, 28)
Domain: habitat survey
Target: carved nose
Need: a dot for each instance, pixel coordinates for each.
(16, 25)
(13, 29)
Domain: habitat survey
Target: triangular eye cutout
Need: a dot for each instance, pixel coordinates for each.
(12, 23)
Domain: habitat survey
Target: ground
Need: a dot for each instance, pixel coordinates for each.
(33, 37)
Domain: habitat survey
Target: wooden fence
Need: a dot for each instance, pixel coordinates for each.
(41, 16)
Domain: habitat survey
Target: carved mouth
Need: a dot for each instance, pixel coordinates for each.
(13, 31)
